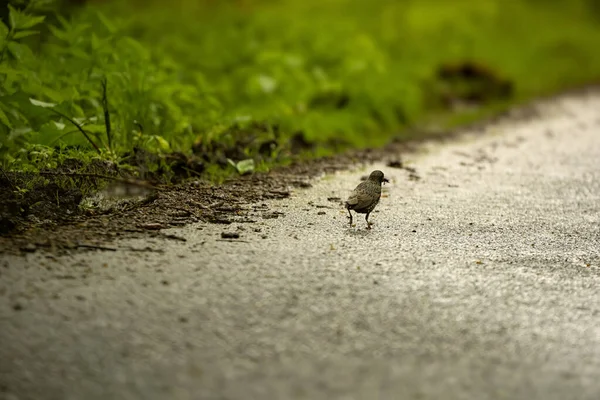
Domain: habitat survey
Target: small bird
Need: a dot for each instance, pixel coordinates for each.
(366, 196)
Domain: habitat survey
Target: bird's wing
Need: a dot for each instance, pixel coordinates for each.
(359, 199)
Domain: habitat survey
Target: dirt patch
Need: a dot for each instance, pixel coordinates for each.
(144, 212)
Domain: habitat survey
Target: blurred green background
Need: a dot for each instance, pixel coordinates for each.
(270, 79)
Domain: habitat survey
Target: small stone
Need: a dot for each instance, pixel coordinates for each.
(152, 226)
(321, 213)
(272, 215)
(302, 184)
(395, 164)
(17, 307)
(230, 235)
(164, 282)
(29, 248)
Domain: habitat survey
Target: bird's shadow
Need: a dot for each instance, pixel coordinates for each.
(358, 232)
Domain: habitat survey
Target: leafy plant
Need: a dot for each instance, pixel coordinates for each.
(243, 167)
(262, 80)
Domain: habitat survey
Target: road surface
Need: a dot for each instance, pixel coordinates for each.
(479, 280)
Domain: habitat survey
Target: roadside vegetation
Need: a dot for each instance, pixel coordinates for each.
(168, 90)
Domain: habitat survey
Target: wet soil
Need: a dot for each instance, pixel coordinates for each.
(148, 210)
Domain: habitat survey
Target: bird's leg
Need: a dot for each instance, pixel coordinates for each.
(367, 219)
(350, 213)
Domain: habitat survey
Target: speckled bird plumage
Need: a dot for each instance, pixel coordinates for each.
(366, 195)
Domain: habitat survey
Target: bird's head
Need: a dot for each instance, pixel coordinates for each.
(377, 176)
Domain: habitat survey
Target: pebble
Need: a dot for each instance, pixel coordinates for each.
(230, 235)
(29, 248)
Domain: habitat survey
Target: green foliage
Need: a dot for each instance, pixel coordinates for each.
(243, 167)
(226, 78)
(58, 96)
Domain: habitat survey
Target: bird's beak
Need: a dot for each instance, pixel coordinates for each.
(385, 180)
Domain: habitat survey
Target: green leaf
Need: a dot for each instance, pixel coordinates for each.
(50, 132)
(132, 45)
(13, 16)
(106, 22)
(10, 72)
(19, 134)
(162, 143)
(31, 21)
(41, 103)
(19, 51)
(64, 22)
(4, 119)
(58, 33)
(267, 84)
(95, 128)
(20, 21)
(79, 53)
(3, 30)
(95, 42)
(75, 109)
(245, 166)
(69, 32)
(56, 96)
(159, 141)
(22, 34)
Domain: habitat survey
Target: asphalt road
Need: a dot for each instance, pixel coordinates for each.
(479, 280)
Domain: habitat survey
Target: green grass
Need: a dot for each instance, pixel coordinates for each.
(222, 78)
